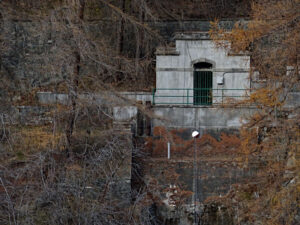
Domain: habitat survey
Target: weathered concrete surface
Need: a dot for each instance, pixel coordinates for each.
(32, 47)
(33, 115)
(201, 117)
(54, 98)
(292, 101)
(138, 96)
(125, 113)
(217, 153)
(168, 28)
(219, 169)
(36, 52)
(215, 174)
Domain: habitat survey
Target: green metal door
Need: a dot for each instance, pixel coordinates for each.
(202, 88)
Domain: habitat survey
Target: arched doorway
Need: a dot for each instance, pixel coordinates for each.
(203, 83)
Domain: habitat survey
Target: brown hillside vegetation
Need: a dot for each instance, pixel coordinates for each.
(272, 136)
(65, 164)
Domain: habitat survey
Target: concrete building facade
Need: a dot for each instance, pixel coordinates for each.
(195, 78)
(196, 72)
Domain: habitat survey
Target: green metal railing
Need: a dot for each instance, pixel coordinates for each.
(197, 96)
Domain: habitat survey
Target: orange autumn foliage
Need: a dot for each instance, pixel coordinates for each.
(207, 144)
(270, 139)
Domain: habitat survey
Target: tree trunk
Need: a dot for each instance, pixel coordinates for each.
(139, 41)
(120, 46)
(121, 30)
(73, 94)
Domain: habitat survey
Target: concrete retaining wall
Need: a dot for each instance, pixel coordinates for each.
(54, 98)
(201, 117)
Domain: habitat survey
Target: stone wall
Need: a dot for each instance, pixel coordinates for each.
(167, 29)
(219, 169)
(37, 53)
(31, 48)
(201, 117)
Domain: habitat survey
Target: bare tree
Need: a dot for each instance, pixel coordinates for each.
(74, 168)
(270, 139)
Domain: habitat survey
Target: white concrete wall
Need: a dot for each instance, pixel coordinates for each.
(176, 71)
(56, 98)
(124, 113)
(201, 117)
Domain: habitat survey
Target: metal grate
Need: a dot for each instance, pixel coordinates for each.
(202, 88)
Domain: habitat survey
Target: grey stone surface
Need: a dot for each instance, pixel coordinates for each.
(138, 96)
(168, 28)
(32, 47)
(33, 115)
(201, 117)
(29, 47)
(215, 178)
(292, 101)
(125, 113)
(52, 98)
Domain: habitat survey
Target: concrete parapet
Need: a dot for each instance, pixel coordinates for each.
(100, 98)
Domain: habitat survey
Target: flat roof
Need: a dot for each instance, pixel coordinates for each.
(193, 35)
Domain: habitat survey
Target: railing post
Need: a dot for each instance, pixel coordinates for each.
(200, 96)
(222, 95)
(153, 96)
(187, 98)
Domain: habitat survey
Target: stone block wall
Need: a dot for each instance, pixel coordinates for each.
(219, 169)
(32, 48)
